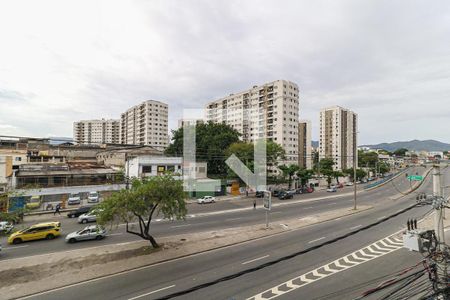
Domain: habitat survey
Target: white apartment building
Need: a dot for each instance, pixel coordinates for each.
(338, 136)
(146, 124)
(96, 131)
(275, 104)
(305, 158)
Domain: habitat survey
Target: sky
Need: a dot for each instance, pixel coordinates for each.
(63, 61)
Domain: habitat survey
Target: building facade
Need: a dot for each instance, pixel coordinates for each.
(305, 158)
(146, 124)
(338, 136)
(266, 111)
(96, 131)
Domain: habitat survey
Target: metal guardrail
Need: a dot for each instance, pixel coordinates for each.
(377, 183)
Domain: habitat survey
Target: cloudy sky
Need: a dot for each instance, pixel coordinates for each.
(62, 61)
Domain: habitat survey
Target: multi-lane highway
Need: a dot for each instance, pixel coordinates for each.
(220, 215)
(182, 274)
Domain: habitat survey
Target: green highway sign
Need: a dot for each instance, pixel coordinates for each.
(415, 178)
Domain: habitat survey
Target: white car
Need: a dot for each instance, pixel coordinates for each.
(349, 183)
(93, 232)
(74, 199)
(6, 227)
(88, 217)
(93, 197)
(206, 199)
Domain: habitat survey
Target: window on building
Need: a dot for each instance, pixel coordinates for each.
(146, 169)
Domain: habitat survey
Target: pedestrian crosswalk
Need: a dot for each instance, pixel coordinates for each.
(372, 251)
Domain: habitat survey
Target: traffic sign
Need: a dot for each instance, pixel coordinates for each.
(415, 178)
(267, 201)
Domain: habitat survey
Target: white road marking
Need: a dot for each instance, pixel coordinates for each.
(256, 259)
(354, 227)
(332, 203)
(178, 226)
(152, 292)
(232, 219)
(349, 261)
(113, 234)
(381, 217)
(316, 240)
(309, 207)
(15, 247)
(276, 212)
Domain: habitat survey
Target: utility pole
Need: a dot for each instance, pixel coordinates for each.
(441, 270)
(355, 157)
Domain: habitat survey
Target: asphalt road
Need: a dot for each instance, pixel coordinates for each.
(222, 214)
(166, 278)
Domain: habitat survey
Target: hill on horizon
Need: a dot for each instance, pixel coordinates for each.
(414, 145)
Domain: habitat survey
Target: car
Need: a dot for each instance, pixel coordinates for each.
(364, 181)
(92, 232)
(308, 190)
(285, 195)
(332, 189)
(6, 227)
(91, 216)
(277, 192)
(299, 191)
(340, 185)
(40, 231)
(259, 194)
(34, 202)
(79, 211)
(349, 183)
(74, 198)
(206, 199)
(93, 197)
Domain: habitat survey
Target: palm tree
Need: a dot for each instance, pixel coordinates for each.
(289, 171)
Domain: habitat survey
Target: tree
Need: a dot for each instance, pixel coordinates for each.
(337, 174)
(326, 168)
(304, 175)
(289, 171)
(155, 195)
(400, 152)
(367, 159)
(384, 168)
(211, 141)
(360, 173)
(245, 152)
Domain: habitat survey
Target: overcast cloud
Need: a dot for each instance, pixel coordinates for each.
(63, 61)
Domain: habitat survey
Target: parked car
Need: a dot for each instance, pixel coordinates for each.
(206, 199)
(364, 181)
(93, 197)
(349, 183)
(40, 231)
(277, 192)
(92, 232)
(79, 211)
(74, 198)
(6, 227)
(299, 191)
(259, 194)
(340, 185)
(34, 202)
(90, 216)
(285, 195)
(308, 190)
(332, 189)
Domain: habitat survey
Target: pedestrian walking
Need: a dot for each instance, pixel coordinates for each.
(254, 204)
(57, 208)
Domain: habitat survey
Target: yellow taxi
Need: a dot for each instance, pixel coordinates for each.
(39, 231)
(34, 202)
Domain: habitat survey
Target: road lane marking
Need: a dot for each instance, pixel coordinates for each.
(233, 219)
(113, 234)
(354, 227)
(256, 259)
(381, 217)
(178, 226)
(316, 240)
(332, 203)
(153, 292)
(336, 266)
(15, 247)
(309, 207)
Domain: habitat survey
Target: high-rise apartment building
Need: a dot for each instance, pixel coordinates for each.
(338, 136)
(304, 144)
(146, 124)
(275, 104)
(96, 131)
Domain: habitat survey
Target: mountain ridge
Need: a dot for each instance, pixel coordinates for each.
(413, 145)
